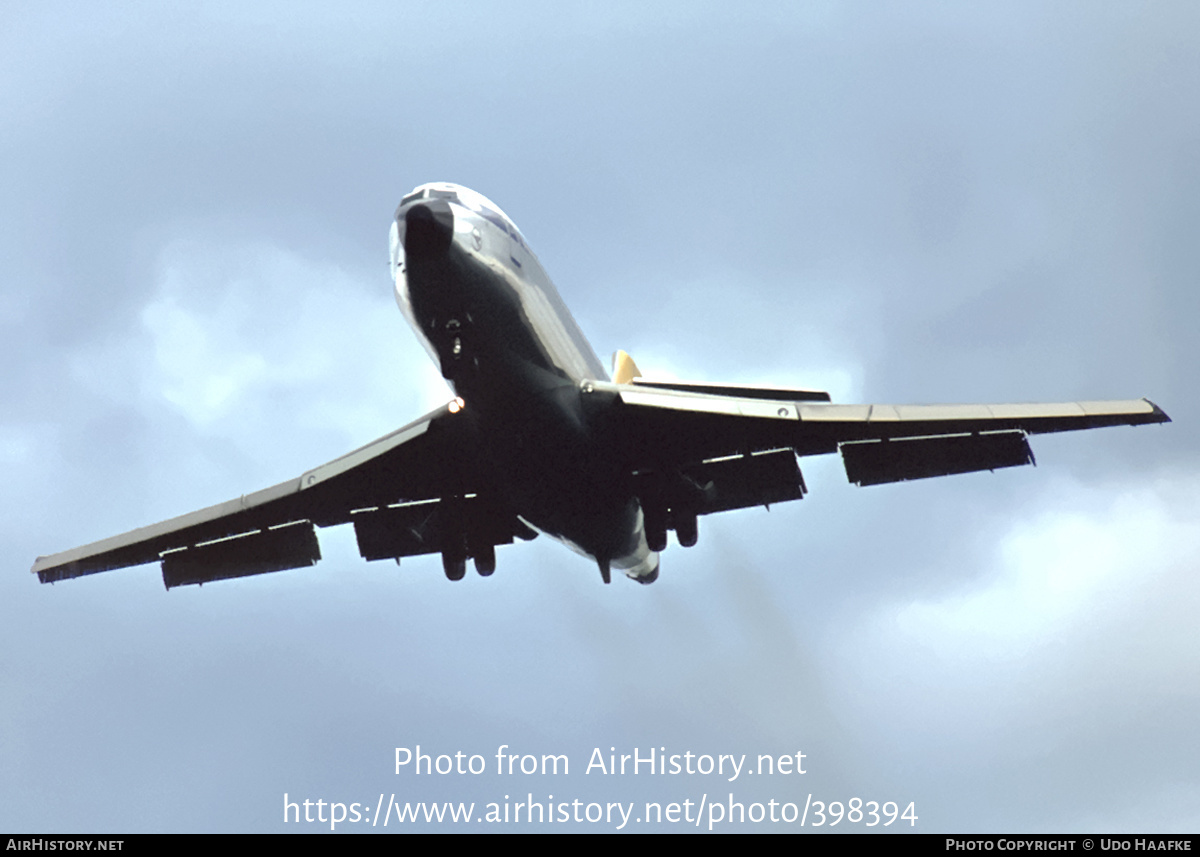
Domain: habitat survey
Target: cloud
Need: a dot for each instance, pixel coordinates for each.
(1071, 645)
(243, 334)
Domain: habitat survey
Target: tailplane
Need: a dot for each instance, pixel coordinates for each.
(625, 371)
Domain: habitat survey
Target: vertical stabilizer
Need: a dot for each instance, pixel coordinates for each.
(624, 369)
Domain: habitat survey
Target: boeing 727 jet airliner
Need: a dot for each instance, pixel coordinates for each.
(539, 440)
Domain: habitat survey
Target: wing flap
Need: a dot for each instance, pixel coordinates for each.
(411, 529)
(750, 480)
(276, 549)
(879, 461)
(736, 482)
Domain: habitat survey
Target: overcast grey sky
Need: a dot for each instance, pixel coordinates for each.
(896, 202)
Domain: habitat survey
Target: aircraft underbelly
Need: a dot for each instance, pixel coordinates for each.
(516, 367)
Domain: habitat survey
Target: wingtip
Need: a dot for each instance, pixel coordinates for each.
(1160, 416)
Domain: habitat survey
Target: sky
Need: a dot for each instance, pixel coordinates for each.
(897, 202)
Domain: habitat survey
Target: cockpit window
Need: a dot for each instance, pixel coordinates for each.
(467, 198)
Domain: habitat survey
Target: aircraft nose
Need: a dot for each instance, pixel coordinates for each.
(428, 228)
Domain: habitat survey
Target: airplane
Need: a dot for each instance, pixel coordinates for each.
(539, 439)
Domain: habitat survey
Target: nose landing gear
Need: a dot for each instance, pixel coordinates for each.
(453, 347)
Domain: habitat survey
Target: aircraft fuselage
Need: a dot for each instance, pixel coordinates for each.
(493, 321)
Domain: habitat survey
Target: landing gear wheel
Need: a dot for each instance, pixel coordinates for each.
(687, 530)
(485, 561)
(656, 529)
(454, 540)
(455, 568)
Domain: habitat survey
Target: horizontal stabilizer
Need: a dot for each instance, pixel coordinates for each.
(778, 394)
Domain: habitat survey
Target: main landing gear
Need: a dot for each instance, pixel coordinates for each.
(454, 564)
(454, 355)
(687, 530)
(658, 520)
(464, 535)
(485, 560)
(454, 567)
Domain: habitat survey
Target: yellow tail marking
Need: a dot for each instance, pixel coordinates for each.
(624, 369)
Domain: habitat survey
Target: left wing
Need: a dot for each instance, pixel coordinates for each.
(740, 444)
(391, 489)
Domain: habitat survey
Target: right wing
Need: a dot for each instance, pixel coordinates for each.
(894, 443)
(391, 489)
(673, 424)
(708, 448)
